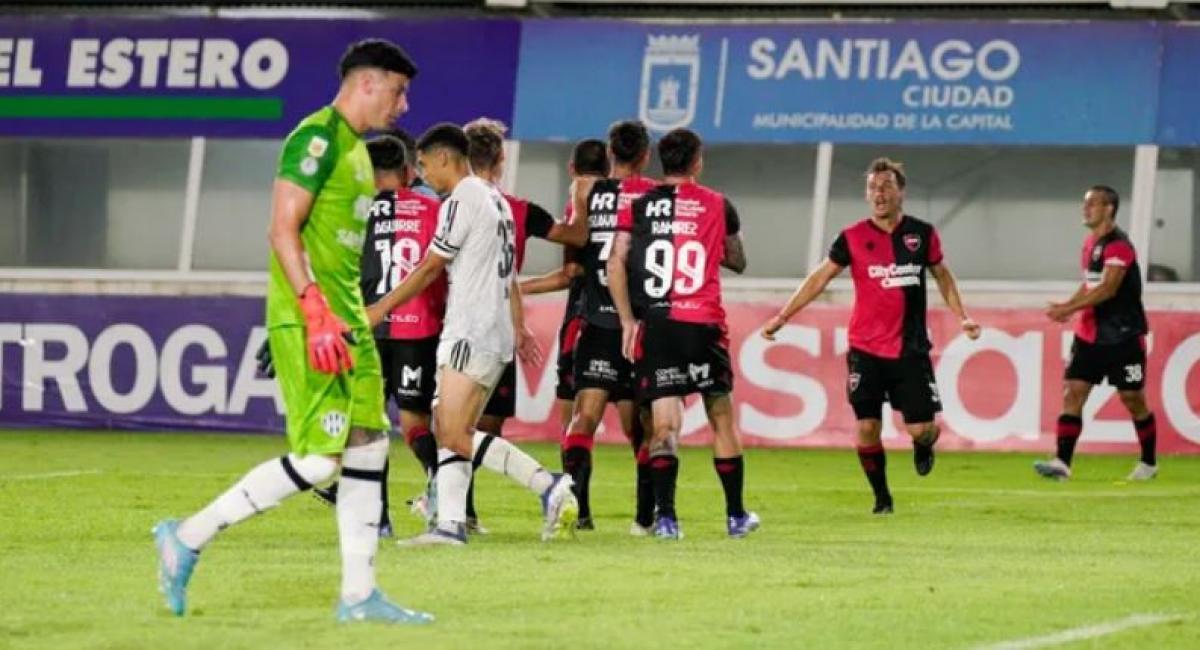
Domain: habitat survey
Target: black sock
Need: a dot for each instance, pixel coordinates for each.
(664, 472)
(424, 447)
(874, 464)
(577, 463)
(1147, 434)
(645, 490)
(1066, 435)
(732, 473)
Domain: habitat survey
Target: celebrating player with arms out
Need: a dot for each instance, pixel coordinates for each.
(674, 239)
(888, 254)
(331, 382)
(475, 244)
(1110, 336)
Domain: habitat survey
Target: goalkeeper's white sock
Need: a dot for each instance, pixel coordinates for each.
(503, 457)
(262, 488)
(360, 500)
(453, 479)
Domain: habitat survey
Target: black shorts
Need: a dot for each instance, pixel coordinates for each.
(677, 359)
(1122, 364)
(409, 372)
(503, 402)
(907, 383)
(568, 339)
(600, 364)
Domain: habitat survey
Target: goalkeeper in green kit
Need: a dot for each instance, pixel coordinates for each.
(325, 358)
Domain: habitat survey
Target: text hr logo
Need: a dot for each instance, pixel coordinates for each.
(895, 275)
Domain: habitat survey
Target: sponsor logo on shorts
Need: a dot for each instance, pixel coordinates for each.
(334, 423)
(853, 380)
(933, 393)
(699, 372)
(410, 376)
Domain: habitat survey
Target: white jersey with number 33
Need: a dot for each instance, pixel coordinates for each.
(477, 235)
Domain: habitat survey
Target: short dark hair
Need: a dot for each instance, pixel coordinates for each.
(1110, 197)
(485, 138)
(447, 135)
(388, 153)
(628, 140)
(410, 144)
(589, 157)
(678, 150)
(376, 53)
(880, 165)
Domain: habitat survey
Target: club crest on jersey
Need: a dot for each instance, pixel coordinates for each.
(317, 146)
(912, 241)
(334, 423)
(670, 81)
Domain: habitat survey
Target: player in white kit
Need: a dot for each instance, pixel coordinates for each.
(476, 245)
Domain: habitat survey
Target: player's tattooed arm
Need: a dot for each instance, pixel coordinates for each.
(426, 272)
(735, 254)
(808, 291)
(290, 205)
(1110, 282)
(949, 290)
(618, 288)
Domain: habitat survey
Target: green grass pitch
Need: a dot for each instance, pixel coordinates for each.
(980, 552)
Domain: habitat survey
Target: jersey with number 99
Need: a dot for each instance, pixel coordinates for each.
(400, 227)
(678, 244)
(608, 205)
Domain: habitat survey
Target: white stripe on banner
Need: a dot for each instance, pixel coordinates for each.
(45, 475)
(1088, 632)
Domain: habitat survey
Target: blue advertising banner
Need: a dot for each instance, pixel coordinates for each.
(135, 362)
(122, 77)
(1179, 105)
(887, 82)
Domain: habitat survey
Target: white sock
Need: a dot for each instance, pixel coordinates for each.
(360, 500)
(453, 478)
(262, 488)
(503, 457)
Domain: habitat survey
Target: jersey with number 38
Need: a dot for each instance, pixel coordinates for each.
(678, 243)
(399, 230)
(477, 235)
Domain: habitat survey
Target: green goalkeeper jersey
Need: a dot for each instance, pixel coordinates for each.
(326, 157)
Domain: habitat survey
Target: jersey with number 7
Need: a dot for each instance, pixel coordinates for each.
(608, 203)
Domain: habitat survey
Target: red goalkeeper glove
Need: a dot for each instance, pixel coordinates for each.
(327, 334)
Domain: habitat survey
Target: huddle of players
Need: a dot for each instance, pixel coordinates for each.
(663, 243)
(673, 236)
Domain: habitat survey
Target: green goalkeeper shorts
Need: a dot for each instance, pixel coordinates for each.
(321, 408)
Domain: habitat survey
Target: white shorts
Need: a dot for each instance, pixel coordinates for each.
(484, 367)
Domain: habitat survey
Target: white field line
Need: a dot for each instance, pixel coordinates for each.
(1087, 632)
(46, 475)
